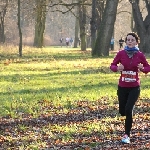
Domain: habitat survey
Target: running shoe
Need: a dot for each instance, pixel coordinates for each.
(125, 139)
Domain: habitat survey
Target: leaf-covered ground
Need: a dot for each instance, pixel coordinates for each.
(82, 126)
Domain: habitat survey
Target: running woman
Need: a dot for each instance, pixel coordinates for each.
(129, 62)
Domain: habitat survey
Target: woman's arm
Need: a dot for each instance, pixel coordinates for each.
(114, 64)
(144, 66)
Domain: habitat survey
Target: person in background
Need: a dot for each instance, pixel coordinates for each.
(112, 43)
(79, 41)
(121, 41)
(61, 40)
(67, 41)
(129, 62)
(71, 41)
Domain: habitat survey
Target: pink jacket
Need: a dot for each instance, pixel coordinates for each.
(129, 77)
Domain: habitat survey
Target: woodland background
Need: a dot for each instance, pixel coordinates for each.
(54, 97)
(60, 20)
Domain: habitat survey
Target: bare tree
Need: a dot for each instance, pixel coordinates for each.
(97, 11)
(2, 21)
(76, 39)
(142, 26)
(106, 29)
(82, 23)
(93, 23)
(20, 32)
(40, 23)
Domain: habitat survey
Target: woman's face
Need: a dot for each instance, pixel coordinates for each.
(131, 41)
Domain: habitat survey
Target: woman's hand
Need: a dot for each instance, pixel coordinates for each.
(120, 67)
(140, 66)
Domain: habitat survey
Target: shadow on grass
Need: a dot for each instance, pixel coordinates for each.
(16, 77)
(53, 77)
(65, 89)
(69, 55)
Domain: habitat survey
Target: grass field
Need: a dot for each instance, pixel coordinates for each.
(62, 98)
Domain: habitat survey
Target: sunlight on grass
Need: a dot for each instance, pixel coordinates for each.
(60, 96)
(57, 74)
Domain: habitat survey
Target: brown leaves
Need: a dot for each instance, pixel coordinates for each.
(88, 125)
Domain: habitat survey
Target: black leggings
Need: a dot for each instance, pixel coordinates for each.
(127, 97)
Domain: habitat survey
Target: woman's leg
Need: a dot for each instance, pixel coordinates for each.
(122, 93)
(132, 98)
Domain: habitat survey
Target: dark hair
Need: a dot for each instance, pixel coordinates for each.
(134, 35)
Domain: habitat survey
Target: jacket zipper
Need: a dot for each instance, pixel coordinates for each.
(131, 60)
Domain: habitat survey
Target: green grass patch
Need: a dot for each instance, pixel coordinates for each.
(53, 97)
(58, 75)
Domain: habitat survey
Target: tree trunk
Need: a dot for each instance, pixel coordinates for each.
(106, 29)
(2, 34)
(20, 32)
(2, 22)
(93, 24)
(76, 39)
(143, 27)
(82, 23)
(40, 23)
(100, 11)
